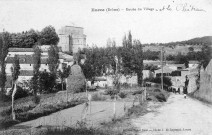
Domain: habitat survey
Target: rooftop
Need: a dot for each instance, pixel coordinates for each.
(21, 50)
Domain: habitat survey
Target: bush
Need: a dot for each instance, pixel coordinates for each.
(137, 110)
(166, 80)
(157, 90)
(36, 99)
(111, 92)
(7, 122)
(137, 92)
(122, 95)
(20, 93)
(160, 97)
(98, 97)
(78, 131)
(8, 111)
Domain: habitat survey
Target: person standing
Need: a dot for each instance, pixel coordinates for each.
(185, 89)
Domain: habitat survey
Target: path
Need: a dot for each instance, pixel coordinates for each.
(100, 112)
(178, 116)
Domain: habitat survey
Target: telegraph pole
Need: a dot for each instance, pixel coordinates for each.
(162, 67)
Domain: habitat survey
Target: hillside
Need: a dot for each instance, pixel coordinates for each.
(174, 48)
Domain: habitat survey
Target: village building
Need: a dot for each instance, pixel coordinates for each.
(71, 39)
(26, 63)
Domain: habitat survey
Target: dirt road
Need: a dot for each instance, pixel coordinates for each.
(178, 116)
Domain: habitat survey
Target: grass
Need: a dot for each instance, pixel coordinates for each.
(26, 109)
(7, 122)
(77, 131)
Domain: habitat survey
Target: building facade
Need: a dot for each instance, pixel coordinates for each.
(71, 39)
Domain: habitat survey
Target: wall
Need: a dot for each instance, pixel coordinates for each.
(205, 90)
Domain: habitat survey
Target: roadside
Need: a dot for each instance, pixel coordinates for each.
(101, 114)
(177, 116)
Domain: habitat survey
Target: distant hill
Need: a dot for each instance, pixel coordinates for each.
(206, 40)
(173, 48)
(201, 40)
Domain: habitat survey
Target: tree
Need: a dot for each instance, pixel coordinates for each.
(46, 82)
(36, 67)
(129, 43)
(53, 60)
(64, 73)
(5, 41)
(181, 59)
(138, 60)
(48, 36)
(191, 49)
(25, 39)
(15, 74)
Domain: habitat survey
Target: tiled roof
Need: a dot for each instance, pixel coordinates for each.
(21, 50)
(23, 59)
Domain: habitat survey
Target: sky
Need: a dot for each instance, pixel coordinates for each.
(168, 25)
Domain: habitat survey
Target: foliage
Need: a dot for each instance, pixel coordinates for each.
(122, 95)
(150, 67)
(20, 93)
(7, 122)
(64, 73)
(53, 61)
(25, 39)
(98, 97)
(137, 92)
(102, 61)
(182, 59)
(151, 55)
(132, 58)
(36, 99)
(166, 80)
(36, 67)
(81, 130)
(46, 82)
(111, 92)
(48, 36)
(15, 69)
(5, 41)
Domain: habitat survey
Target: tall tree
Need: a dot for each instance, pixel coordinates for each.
(53, 61)
(15, 73)
(48, 36)
(36, 67)
(5, 41)
(138, 60)
(129, 43)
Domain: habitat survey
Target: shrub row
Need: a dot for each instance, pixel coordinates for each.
(8, 111)
(45, 110)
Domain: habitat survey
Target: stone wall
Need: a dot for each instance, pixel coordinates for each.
(205, 90)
